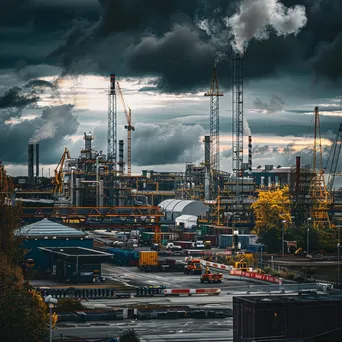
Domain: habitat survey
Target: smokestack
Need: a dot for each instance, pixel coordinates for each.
(88, 137)
(207, 167)
(37, 160)
(207, 150)
(250, 161)
(30, 163)
(121, 157)
(297, 173)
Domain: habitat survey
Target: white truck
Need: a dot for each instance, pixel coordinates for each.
(172, 247)
(198, 244)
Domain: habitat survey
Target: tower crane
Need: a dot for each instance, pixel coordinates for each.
(58, 180)
(335, 154)
(129, 128)
(318, 190)
(214, 94)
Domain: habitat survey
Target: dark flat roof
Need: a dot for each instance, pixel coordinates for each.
(292, 298)
(75, 251)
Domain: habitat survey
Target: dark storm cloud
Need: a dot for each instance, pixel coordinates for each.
(13, 98)
(40, 84)
(167, 144)
(288, 123)
(275, 104)
(51, 130)
(161, 38)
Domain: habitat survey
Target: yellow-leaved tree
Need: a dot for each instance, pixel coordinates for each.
(24, 316)
(271, 209)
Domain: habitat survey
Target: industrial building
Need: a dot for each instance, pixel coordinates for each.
(173, 208)
(73, 264)
(49, 234)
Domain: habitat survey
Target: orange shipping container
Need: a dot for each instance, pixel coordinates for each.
(148, 258)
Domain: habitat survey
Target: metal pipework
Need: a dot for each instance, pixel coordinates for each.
(98, 200)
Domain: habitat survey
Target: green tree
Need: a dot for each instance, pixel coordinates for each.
(24, 317)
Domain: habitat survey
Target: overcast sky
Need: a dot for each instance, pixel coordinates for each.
(56, 57)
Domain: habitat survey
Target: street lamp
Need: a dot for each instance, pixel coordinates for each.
(338, 254)
(51, 301)
(282, 237)
(307, 235)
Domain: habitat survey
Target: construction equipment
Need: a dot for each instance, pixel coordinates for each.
(335, 154)
(207, 244)
(211, 278)
(241, 265)
(299, 251)
(318, 191)
(129, 128)
(193, 266)
(58, 180)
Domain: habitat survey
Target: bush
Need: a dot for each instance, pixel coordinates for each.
(290, 276)
(129, 336)
(68, 304)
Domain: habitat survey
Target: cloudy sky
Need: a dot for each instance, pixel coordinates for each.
(56, 56)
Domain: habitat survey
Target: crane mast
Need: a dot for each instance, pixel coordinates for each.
(214, 94)
(237, 130)
(129, 127)
(318, 191)
(336, 151)
(112, 124)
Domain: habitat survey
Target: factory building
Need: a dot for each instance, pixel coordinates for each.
(49, 234)
(74, 264)
(271, 176)
(173, 208)
(187, 222)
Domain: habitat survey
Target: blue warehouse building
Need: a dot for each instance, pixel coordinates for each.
(49, 234)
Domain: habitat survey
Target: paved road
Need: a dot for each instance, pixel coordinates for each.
(155, 330)
(134, 277)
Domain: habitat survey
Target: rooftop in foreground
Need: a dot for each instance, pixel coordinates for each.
(67, 252)
(301, 298)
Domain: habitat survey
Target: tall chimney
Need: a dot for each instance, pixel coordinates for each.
(121, 157)
(297, 173)
(30, 163)
(250, 161)
(37, 160)
(207, 167)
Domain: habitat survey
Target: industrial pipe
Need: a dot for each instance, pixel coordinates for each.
(100, 189)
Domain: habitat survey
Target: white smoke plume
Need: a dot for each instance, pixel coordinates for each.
(47, 130)
(257, 18)
(246, 129)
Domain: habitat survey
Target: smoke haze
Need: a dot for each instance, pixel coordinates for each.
(257, 18)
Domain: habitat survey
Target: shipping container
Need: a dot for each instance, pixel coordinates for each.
(312, 317)
(188, 236)
(164, 228)
(148, 258)
(226, 240)
(147, 236)
(212, 238)
(122, 257)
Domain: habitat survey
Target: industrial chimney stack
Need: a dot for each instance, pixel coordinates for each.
(33, 160)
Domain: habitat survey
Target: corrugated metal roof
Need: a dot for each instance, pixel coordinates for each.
(179, 207)
(46, 227)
